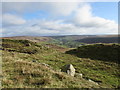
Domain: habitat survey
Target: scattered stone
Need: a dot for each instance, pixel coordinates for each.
(69, 69)
(45, 64)
(92, 81)
(27, 44)
(81, 75)
(34, 61)
(60, 70)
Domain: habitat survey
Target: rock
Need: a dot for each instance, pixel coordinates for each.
(81, 75)
(45, 64)
(27, 44)
(69, 69)
(34, 61)
(92, 81)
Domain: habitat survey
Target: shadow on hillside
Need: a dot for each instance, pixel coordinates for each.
(96, 56)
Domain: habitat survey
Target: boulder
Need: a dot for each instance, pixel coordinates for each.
(81, 75)
(69, 69)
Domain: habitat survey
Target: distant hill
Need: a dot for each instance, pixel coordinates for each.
(99, 40)
(30, 38)
(71, 41)
(74, 41)
(72, 37)
(78, 37)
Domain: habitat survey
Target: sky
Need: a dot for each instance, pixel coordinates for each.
(59, 18)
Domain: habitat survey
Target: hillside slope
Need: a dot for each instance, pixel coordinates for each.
(28, 64)
(105, 52)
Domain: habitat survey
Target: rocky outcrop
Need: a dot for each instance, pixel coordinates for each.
(69, 69)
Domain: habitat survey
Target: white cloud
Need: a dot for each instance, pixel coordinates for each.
(84, 17)
(10, 20)
(83, 14)
(41, 27)
(82, 20)
(64, 9)
(45, 27)
(55, 8)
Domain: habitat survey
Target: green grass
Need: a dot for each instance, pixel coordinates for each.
(20, 73)
(19, 70)
(105, 52)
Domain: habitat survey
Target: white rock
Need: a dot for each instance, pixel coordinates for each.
(81, 75)
(69, 69)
